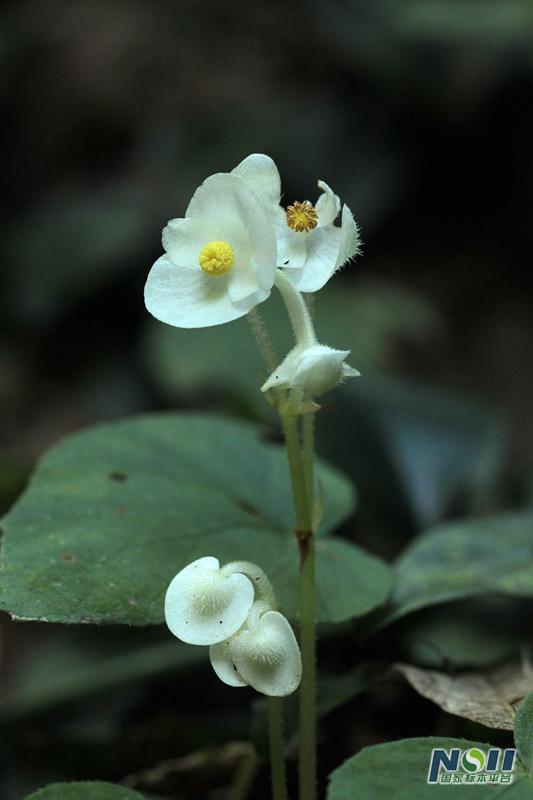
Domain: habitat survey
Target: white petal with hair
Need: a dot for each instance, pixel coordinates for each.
(204, 606)
(266, 654)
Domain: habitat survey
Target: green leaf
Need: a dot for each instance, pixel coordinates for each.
(367, 321)
(412, 450)
(467, 634)
(54, 683)
(114, 512)
(86, 790)
(400, 769)
(523, 732)
(465, 559)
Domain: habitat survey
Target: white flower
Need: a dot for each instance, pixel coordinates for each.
(220, 258)
(264, 654)
(261, 175)
(205, 604)
(309, 245)
(315, 370)
(311, 248)
(232, 610)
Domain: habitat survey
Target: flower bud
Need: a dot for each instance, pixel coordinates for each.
(315, 370)
(205, 605)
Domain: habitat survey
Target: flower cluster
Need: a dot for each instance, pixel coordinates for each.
(232, 610)
(235, 242)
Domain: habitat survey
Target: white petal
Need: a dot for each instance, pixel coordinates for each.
(202, 606)
(183, 239)
(189, 299)
(242, 284)
(327, 206)
(224, 201)
(350, 239)
(267, 656)
(327, 250)
(292, 250)
(261, 175)
(222, 662)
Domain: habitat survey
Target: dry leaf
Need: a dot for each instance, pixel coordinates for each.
(489, 698)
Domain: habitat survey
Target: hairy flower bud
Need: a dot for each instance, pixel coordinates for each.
(314, 370)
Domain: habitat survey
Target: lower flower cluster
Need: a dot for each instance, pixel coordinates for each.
(232, 609)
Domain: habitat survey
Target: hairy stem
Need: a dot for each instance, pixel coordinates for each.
(262, 337)
(299, 315)
(277, 764)
(301, 469)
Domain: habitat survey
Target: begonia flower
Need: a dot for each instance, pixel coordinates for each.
(310, 247)
(263, 654)
(205, 604)
(219, 259)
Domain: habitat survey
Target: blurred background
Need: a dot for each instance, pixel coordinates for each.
(419, 114)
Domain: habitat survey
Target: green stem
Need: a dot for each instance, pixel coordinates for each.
(300, 494)
(262, 337)
(308, 438)
(302, 469)
(307, 711)
(299, 315)
(277, 764)
(301, 465)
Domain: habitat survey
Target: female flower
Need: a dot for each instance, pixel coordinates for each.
(233, 610)
(205, 604)
(264, 654)
(219, 259)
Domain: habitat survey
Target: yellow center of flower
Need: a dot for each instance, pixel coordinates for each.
(301, 217)
(216, 258)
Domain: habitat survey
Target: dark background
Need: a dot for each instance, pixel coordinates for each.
(418, 113)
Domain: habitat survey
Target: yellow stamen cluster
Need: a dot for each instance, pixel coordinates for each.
(301, 217)
(216, 258)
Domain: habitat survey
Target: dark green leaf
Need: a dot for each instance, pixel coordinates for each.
(465, 559)
(115, 511)
(523, 733)
(57, 682)
(87, 790)
(412, 450)
(399, 770)
(469, 633)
